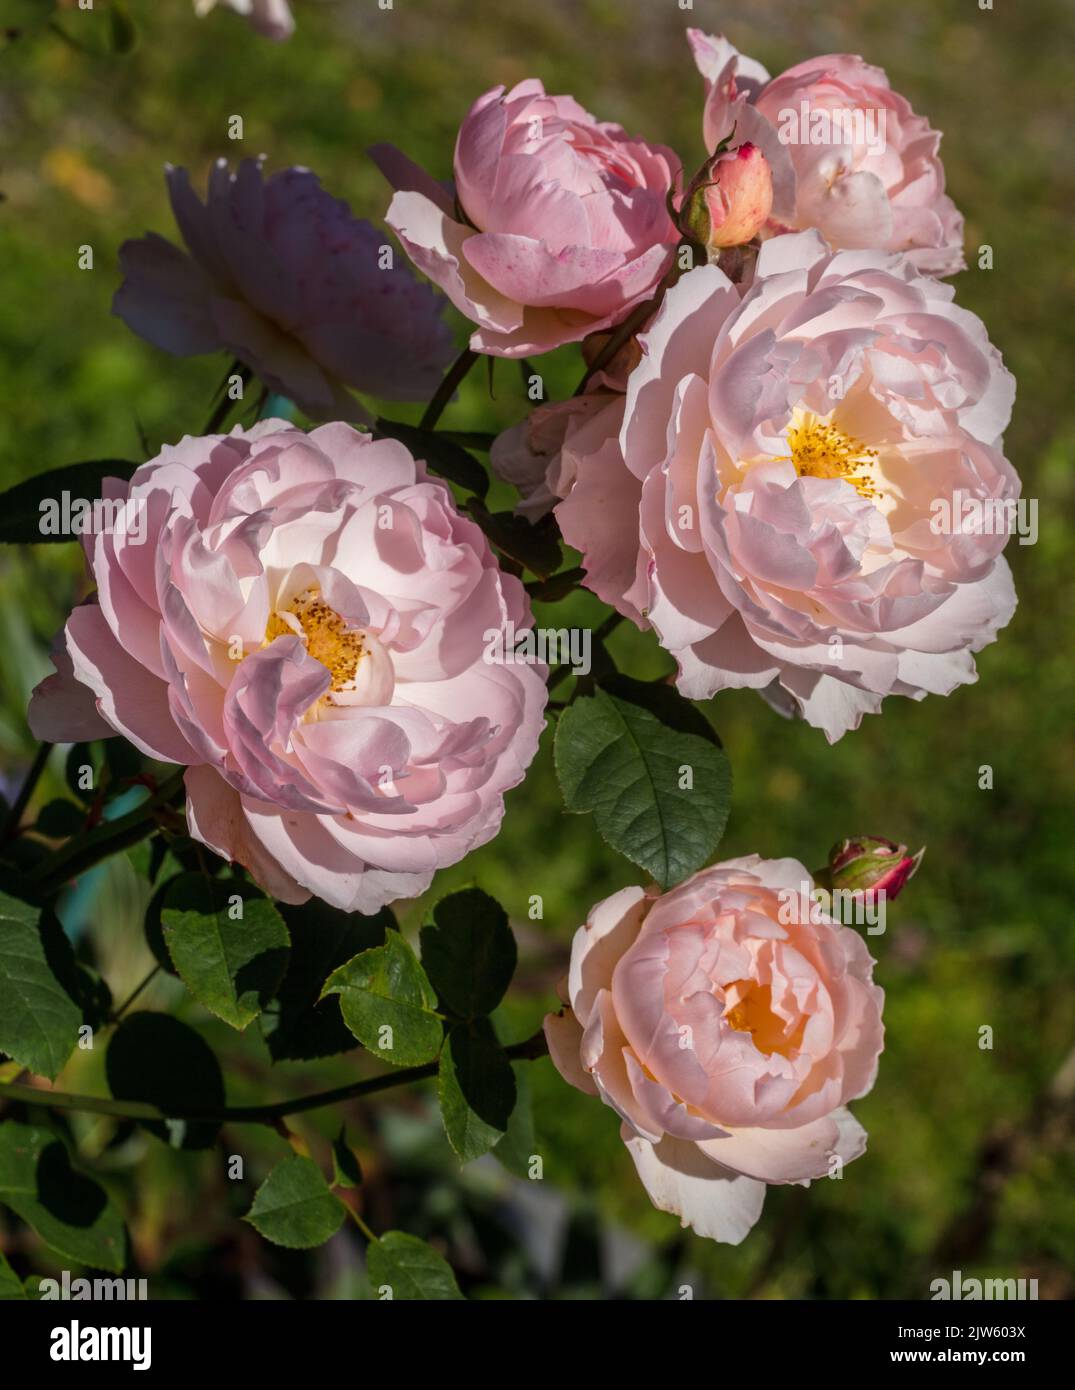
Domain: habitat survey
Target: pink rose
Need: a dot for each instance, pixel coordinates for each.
(281, 275)
(728, 1023)
(797, 458)
(849, 156)
(560, 224)
(269, 17)
(303, 627)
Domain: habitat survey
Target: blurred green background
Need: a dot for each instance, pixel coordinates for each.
(970, 1163)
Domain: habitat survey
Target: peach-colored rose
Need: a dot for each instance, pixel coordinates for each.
(848, 154)
(728, 1023)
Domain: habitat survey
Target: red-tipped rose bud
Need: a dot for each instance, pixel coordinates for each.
(729, 199)
(867, 862)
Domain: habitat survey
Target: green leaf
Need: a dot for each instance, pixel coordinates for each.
(155, 1058)
(21, 515)
(11, 1286)
(476, 1087)
(39, 1020)
(665, 702)
(519, 1145)
(69, 1210)
(534, 544)
(60, 819)
(388, 1003)
(619, 759)
(443, 455)
(469, 953)
(232, 964)
(294, 1206)
(323, 938)
(403, 1267)
(346, 1169)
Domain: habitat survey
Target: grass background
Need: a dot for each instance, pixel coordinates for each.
(970, 1163)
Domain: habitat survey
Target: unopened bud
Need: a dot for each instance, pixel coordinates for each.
(729, 199)
(867, 862)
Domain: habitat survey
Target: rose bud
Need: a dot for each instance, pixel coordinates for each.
(866, 862)
(729, 199)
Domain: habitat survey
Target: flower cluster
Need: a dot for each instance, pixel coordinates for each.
(777, 396)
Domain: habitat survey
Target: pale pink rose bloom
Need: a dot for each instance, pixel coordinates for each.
(304, 626)
(559, 226)
(272, 18)
(801, 463)
(873, 179)
(728, 1023)
(278, 273)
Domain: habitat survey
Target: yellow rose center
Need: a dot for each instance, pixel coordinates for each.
(328, 638)
(753, 1013)
(820, 449)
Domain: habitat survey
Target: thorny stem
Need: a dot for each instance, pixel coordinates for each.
(529, 1050)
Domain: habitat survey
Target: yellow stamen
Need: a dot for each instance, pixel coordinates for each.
(754, 1014)
(823, 450)
(328, 638)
